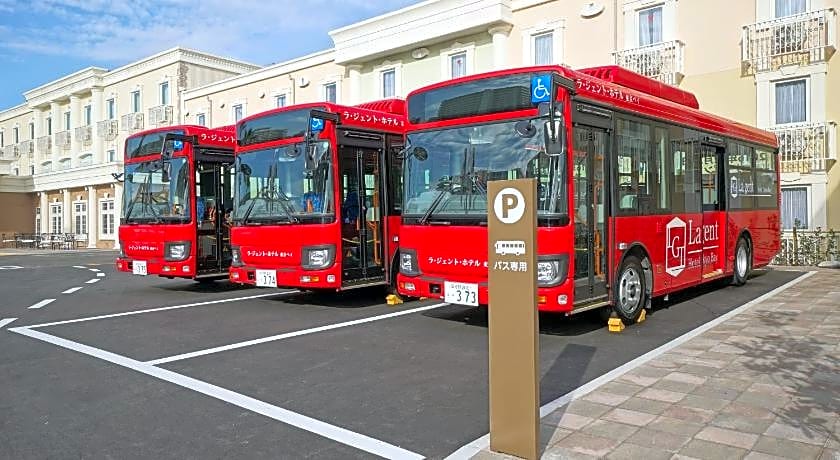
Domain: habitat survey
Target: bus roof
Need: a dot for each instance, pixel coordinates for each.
(623, 89)
(223, 136)
(360, 116)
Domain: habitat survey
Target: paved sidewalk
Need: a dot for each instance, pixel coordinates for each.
(763, 384)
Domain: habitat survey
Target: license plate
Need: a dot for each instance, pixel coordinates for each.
(266, 278)
(461, 293)
(138, 267)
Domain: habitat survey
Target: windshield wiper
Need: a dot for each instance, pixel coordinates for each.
(244, 219)
(435, 204)
(141, 193)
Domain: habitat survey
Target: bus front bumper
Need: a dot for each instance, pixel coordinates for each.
(290, 277)
(558, 299)
(155, 266)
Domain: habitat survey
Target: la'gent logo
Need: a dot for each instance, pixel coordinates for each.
(675, 246)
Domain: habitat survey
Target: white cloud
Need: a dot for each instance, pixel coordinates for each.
(118, 31)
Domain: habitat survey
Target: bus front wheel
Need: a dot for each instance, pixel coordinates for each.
(743, 262)
(630, 291)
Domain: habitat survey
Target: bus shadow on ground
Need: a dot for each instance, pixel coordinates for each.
(688, 295)
(206, 287)
(356, 298)
(550, 323)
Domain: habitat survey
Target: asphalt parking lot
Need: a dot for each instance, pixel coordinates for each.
(140, 367)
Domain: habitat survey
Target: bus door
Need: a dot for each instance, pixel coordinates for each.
(362, 218)
(214, 200)
(713, 233)
(590, 191)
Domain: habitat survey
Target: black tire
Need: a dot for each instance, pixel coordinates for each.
(743, 262)
(630, 293)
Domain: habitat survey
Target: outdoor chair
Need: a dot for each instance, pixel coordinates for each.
(10, 240)
(27, 240)
(80, 240)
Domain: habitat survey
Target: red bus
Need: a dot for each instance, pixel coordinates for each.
(177, 187)
(317, 197)
(640, 193)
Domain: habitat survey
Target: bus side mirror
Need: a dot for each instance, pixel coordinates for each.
(555, 137)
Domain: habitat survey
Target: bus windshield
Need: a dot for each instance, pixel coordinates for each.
(146, 144)
(448, 178)
(157, 192)
(284, 185)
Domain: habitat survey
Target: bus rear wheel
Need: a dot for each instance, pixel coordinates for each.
(630, 291)
(743, 262)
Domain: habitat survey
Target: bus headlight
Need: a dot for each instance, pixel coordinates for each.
(552, 270)
(408, 262)
(235, 256)
(176, 250)
(318, 257)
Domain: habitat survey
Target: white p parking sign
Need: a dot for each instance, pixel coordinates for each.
(509, 205)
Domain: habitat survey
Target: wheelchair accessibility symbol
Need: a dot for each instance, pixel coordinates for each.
(316, 124)
(539, 91)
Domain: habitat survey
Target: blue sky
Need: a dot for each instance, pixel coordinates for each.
(43, 40)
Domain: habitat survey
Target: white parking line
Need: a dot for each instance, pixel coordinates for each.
(476, 446)
(289, 335)
(95, 280)
(151, 310)
(79, 266)
(6, 321)
(94, 269)
(42, 303)
(100, 274)
(72, 290)
(338, 434)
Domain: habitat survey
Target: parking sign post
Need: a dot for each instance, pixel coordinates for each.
(513, 320)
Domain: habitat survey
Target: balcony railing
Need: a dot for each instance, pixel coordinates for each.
(84, 134)
(160, 115)
(662, 61)
(806, 147)
(62, 139)
(44, 145)
(132, 122)
(10, 152)
(794, 40)
(108, 129)
(27, 147)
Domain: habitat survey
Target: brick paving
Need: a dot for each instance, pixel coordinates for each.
(764, 384)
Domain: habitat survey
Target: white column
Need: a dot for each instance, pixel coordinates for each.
(75, 121)
(96, 115)
(118, 198)
(355, 74)
(93, 217)
(67, 217)
(500, 36)
(45, 213)
(38, 116)
(55, 111)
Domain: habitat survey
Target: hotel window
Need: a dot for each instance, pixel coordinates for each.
(66, 121)
(389, 81)
(31, 130)
(111, 108)
(458, 65)
(794, 207)
(49, 126)
(56, 223)
(16, 131)
(107, 217)
(201, 119)
(112, 156)
(650, 26)
(164, 93)
(64, 164)
(544, 49)
(80, 217)
(38, 219)
(330, 94)
(86, 160)
(31, 170)
(790, 7)
(87, 115)
(791, 102)
(16, 171)
(2, 141)
(280, 100)
(237, 112)
(135, 101)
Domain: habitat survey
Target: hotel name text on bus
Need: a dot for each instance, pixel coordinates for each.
(640, 193)
(317, 196)
(177, 186)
